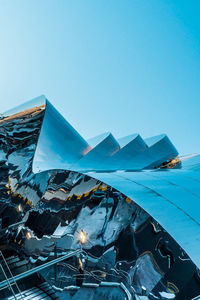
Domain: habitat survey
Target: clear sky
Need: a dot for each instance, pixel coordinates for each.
(123, 66)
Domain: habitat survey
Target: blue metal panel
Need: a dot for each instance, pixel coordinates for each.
(191, 161)
(156, 198)
(132, 146)
(143, 222)
(161, 149)
(96, 158)
(180, 178)
(59, 144)
(177, 195)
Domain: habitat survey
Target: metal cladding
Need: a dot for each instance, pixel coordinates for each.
(59, 144)
(105, 218)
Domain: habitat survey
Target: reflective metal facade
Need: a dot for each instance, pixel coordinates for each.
(96, 219)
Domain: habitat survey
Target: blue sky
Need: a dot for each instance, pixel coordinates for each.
(122, 66)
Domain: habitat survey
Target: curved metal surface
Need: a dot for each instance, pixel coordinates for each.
(104, 147)
(59, 144)
(160, 149)
(165, 197)
(126, 158)
(191, 162)
(142, 227)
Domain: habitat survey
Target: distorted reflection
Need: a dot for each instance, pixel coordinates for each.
(66, 234)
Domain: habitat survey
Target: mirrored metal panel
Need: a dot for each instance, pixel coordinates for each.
(103, 219)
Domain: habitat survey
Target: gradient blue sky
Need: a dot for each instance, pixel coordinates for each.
(121, 66)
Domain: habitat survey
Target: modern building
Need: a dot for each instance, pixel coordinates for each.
(104, 219)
